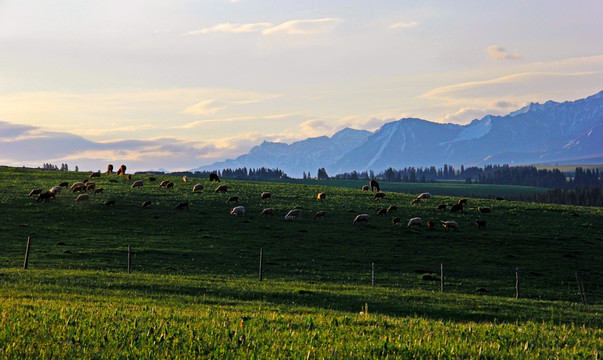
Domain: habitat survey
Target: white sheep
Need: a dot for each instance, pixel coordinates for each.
(450, 224)
(56, 190)
(267, 212)
(237, 211)
(293, 214)
(416, 221)
(424, 195)
(185, 178)
(361, 218)
(137, 184)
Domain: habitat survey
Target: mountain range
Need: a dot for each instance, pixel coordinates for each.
(561, 133)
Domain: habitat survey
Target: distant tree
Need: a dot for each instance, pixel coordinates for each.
(322, 174)
(76, 168)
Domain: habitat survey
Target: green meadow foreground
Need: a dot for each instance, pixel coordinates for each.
(194, 289)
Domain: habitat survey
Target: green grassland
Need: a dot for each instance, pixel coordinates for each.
(194, 289)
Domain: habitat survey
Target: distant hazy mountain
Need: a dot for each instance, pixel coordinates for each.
(568, 132)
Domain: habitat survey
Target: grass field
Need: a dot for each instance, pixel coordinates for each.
(194, 290)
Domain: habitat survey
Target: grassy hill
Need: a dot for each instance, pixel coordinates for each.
(194, 290)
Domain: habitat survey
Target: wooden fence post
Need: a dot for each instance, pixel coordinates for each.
(27, 253)
(373, 274)
(442, 277)
(129, 259)
(261, 263)
(517, 283)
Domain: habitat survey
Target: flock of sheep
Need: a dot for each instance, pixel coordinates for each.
(86, 186)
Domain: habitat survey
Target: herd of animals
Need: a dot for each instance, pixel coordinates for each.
(86, 186)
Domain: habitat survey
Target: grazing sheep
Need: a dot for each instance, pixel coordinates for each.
(441, 207)
(267, 212)
(85, 181)
(374, 185)
(146, 205)
(424, 196)
(164, 183)
(499, 198)
(481, 224)
(95, 175)
(214, 177)
(82, 197)
(396, 222)
(99, 191)
(170, 185)
(293, 214)
(237, 211)
(129, 177)
(484, 209)
(361, 218)
(110, 203)
(450, 225)
(78, 187)
(321, 196)
(222, 189)
(56, 189)
(392, 208)
(35, 192)
(185, 178)
(381, 211)
(198, 187)
(122, 170)
(64, 184)
(456, 207)
(265, 196)
(109, 169)
(182, 205)
(90, 186)
(232, 199)
(152, 179)
(430, 224)
(379, 195)
(137, 184)
(364, 188)
(45, 197)
(320, 214)
(415, 202)
(462, 202)
(416, 221)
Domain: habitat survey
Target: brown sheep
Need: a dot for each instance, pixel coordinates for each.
(381, 211)
(45, 197)
(430, 224)
(462, 202)
(415, 202)
(232, 199)
(95, 175)
(185, 178)
(456, 207)
(321, 196)
(137, 184)
(109, 169)
(484, 209)
(82, 197)
(170, 185)
(374, 185)
(214, 177)
(129, 177)
(396, 222)
(152, 179)
(122, 170)
(90, 186)
(85, 181)
(267, 212)
(379, 195)
(78, 187)
(35, 192)
(222, 189)
(481, 224)
(416, 221)
(182, 205)
(99, 191)
(364, 188)
(320, 214)
(361, 218)
(441, 207)
(392, 208)
(450, 225)
(64, 184)
(164, 183)
(265, 196)
(110, 203)
(198, 187)
(293, 214)
(146, 205)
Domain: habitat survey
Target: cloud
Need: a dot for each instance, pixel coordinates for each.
(203, 108)
(504, 104)
(315, 127)
(465, 115)
(363, 122)
(233, 28)
(303, 27)
(232, 119)
(404, 25)
(499, 53)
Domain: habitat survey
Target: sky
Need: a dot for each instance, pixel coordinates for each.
(179, 84)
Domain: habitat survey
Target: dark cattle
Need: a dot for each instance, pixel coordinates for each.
(182, 205)
(481, 224)
(214, 177)
(64, 184)
(379, 195)
(110, 203)
(109, 169)
(462, 202)
(456, 207)
(146, 205)
(374, 185)
(222, 189)
(95, 175)
(441, 207)
(232, 199)
(45, 197)
(35, 192)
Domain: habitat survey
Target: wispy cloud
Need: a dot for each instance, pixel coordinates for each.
(404, 25)
(496, 52)
(304, 27)
(197, 123)
(205, 107)
(233, 28)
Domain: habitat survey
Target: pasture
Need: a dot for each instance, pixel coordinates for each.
(194, 285)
